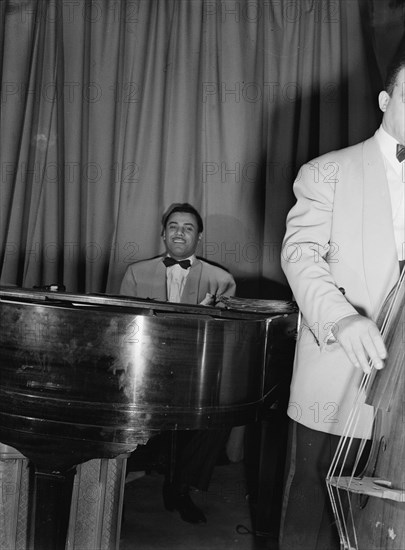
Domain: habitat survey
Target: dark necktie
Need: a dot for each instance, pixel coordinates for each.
(168, 261)
(400, 152)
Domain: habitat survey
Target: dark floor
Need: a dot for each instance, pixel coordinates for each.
(147, 525)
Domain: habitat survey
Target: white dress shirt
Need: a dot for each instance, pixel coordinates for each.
(176, 278)
(395, 172)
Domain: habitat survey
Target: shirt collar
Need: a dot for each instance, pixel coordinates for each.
(388, 146)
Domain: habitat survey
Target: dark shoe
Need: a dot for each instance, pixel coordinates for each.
(175, 500)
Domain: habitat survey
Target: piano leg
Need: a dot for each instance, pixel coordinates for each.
(172, 457)
(50, 495)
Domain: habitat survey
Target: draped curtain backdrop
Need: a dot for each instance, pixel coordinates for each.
(113, 109)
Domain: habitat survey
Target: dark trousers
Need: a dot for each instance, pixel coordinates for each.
(186, 457)
(307, 520)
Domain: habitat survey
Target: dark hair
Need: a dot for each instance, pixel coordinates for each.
(397, 63)
(182, 207)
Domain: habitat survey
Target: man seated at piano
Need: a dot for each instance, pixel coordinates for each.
(179, 275)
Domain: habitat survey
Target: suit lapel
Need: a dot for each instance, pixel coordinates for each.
(379, 249)
(158, 286)
(192, 286)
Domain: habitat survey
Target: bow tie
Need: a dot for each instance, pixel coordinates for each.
(168, 261)
(400, 152)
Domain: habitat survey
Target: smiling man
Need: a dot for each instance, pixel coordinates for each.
(179, 276)
(194, 280)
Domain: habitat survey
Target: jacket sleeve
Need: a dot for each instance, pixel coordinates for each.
(305, 248)
(227, 286)
(128, 284)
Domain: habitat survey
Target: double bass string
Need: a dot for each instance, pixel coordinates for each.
(341, 457)
(336, 472)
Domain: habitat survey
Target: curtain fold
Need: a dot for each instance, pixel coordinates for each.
(110, 111)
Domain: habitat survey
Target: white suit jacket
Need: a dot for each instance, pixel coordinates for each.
(340, 258)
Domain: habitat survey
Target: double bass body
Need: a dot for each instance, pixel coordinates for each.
(376, 517)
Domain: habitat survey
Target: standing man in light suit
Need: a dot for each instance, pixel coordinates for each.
(179, 276)
(342, 254)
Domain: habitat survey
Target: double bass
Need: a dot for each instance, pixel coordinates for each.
(368, 500)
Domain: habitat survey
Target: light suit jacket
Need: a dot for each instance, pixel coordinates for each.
(147, 279)
(340, 258)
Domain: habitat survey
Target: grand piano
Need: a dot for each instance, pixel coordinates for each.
(93, 376)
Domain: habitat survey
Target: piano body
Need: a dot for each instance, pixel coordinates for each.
(93, 376)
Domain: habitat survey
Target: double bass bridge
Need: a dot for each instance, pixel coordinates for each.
(371, 486)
